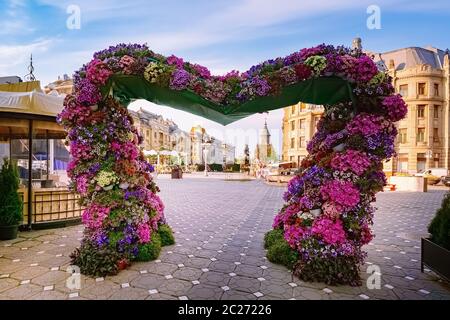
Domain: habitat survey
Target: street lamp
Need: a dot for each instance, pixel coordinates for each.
(206, 146)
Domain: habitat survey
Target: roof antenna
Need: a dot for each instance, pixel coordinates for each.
(30, 76)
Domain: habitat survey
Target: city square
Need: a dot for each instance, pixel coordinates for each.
(226, 156)
(219, 228)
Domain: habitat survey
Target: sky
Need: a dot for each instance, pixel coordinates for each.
(222, 35)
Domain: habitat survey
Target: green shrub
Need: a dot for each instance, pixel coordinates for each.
(166, 234)
(280, 252)
(150, 250)
(216, 167)
(10, 203)
(439, 227)
(95, 261)
(272, 237)
(200, 167)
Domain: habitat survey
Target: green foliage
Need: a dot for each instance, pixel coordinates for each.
(10, 203)
(272, 237)
(439, 227)
(216, 167)
(150, 250)
(96, 261)
(166, 234)
(114, 237)
(332, 271)
(280, 252)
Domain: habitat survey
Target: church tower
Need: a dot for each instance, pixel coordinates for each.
(264, 148)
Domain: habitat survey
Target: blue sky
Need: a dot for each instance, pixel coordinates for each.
(221, 34)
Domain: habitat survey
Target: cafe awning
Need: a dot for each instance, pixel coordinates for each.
(27, 97)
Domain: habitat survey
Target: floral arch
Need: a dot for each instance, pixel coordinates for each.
(328, 211)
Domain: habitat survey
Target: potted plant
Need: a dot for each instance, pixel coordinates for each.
(436, 248)
(10, 203)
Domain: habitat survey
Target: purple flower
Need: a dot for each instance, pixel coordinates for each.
(180, 79)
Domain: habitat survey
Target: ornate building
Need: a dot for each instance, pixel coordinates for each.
(63, 85)
(217, 151)
(299, 125)
(264, 149)
(422, 77)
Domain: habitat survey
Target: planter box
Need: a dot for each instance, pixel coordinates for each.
(414, 184)
(436, 258)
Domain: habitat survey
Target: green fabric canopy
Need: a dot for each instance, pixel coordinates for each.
(323, 90)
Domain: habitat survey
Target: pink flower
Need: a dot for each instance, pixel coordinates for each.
(175, 61)
(332, 210)
(143, 231)
(331, 232)
(94, 215)
(82, 183)
(341, 193)
(293, 234)
(202, 71)
(98, 72)
(126, 64)
(351, 160)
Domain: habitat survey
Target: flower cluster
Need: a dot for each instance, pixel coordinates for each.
(98, 72)
(332, 232)
(351, 160)
(343, 194)
(395, 107)
(94, 216)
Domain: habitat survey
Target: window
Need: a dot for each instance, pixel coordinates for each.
(402, 134)
(292, 143)
(403, 90)
(301, 142)
(421, 135)
(436, 89)
(302, 123)
(421, 111)
(293, 109)
(436, 112)
(292, 125)
(421, 88)
(436, 160)
(436, 134)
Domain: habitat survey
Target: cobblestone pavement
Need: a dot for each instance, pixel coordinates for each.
(219, 228)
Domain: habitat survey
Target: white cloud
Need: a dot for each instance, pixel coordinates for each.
(14, 20)
(12, 56)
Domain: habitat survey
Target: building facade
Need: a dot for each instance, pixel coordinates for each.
(299, 125)
(217, 151)
(154, 129)
(422, 77)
